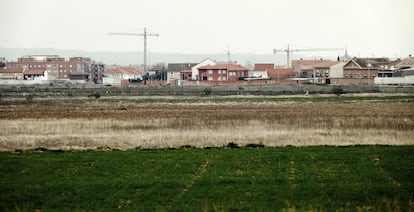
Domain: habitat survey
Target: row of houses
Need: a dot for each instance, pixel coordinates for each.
(53, 67)
(354, 70)
(207, 72)
(349, 71)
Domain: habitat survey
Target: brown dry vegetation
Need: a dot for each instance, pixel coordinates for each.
(122, 124)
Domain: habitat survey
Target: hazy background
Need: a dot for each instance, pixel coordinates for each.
(367, 27)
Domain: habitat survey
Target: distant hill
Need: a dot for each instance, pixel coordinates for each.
(135, 57)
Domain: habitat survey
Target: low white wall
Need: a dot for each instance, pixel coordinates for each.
(395, 80)
(111, 81)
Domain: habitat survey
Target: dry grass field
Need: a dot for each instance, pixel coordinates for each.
(116, 123)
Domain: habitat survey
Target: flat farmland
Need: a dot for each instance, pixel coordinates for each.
(172, 122)
(207, 154)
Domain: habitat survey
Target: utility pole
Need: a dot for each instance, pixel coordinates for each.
(145, 35)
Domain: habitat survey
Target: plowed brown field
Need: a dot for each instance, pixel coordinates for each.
(117, 123)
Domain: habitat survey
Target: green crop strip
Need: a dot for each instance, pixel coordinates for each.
(301, 178)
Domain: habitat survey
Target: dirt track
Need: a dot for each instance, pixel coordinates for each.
(96, 109)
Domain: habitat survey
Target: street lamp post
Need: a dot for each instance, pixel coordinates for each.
(369, 66)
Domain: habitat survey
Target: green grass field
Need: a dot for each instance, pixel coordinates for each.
(376, 178)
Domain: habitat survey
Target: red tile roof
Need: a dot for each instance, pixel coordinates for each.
(306, 63)
(34, 72)
(11, 70)
(326, 64)
(263, 66)
(228, 67)
(124, 70)
(281, 73)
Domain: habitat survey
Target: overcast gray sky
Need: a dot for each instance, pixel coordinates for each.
(367, 27)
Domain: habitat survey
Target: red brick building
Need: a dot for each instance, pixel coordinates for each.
(11, 73)
(223, 72)
(304, 68)
(365, 69)
(57, 67)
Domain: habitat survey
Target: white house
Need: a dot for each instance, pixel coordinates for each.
(194, 69)
(116, 75)
(327, 70)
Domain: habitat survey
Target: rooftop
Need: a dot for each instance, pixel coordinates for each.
(326, 64)
(34, 72)
(371, 62)
(263, 66)
(406, 63)
(177, 67)
(11, 70)
(124, 70)
(229, 67)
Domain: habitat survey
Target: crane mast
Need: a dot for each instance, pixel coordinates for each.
(288, 51)
(145, 35)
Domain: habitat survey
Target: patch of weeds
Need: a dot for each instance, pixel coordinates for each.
(338, 91)
(240, 90)
(29, 98)
(104, 148)
(233, 145)
(187, 147)
(95, 94)
(207, 91)
(255, 145)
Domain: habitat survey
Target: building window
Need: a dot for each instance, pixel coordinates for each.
(210, 78)
(219, 71)
(209, 71)
(70, 66)
(224, 71)
(60, 66)
(65, 76)
(224, 78)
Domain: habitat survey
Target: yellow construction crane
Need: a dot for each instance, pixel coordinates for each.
(288, 51)
(145, 34)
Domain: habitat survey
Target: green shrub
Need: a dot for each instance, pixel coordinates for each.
(338, 91)
(233, 145)
(207, 91)
(96, 95)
